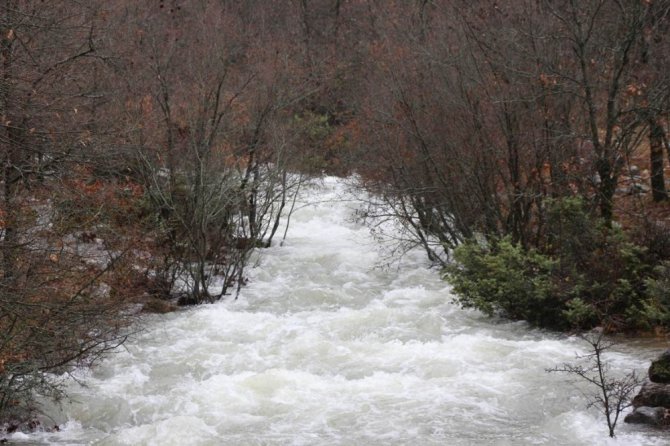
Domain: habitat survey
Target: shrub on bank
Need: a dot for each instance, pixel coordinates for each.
(582, 274)
(503, 278)
(656, 306)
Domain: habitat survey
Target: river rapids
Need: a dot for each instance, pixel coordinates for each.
(327, 345)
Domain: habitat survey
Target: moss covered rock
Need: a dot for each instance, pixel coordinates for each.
(659, 372)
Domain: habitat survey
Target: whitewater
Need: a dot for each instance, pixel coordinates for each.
(330, 344)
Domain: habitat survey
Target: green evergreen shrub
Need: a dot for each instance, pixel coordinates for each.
(582, 274)
(656, 306)
(502, 278)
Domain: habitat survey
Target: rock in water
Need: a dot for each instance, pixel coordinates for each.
(652, 403)
(653, 395)
(647, 415)
(659, 372)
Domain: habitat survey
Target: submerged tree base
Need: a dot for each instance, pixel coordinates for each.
(611, 395)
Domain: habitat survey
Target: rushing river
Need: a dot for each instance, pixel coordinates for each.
(325, 347)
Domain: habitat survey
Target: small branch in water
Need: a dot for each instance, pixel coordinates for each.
(611, 396)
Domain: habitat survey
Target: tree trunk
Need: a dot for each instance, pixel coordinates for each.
(606, 190)
(656, 137)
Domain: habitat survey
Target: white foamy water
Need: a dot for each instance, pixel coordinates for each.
(326, 348)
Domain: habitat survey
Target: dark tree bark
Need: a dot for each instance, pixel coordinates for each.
(656, 141)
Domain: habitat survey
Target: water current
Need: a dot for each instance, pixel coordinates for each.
(329, 346)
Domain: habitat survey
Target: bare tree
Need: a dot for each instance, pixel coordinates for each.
(651, 91)
(53, 314)
(212, 144)
(611, 395)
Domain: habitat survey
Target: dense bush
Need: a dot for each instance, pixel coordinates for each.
(656, 307)
(582, 274)
(504, 278)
